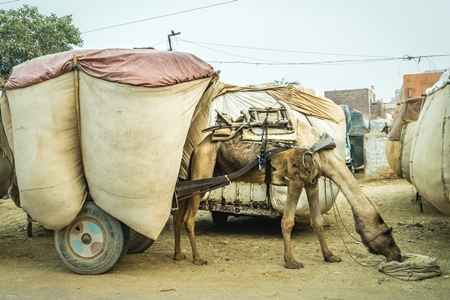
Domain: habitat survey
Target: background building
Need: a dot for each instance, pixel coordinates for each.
(360, 99)
(415, 85)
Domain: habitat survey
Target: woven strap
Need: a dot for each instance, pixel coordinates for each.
(190, 188)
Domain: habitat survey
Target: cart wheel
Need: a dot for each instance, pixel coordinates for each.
(219, 218)
(138, 242)
(352, 168)
(93, 243)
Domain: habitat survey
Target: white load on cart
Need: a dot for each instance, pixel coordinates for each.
(260, 199)
(102, 125)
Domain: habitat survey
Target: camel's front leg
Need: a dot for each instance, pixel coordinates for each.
(288, 222)
(190, 226)
(312, 191)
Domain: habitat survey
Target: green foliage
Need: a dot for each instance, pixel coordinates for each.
(26, 34)
(282, 81)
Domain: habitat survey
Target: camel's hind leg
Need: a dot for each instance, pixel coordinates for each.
(190, 226)
(288, 221)
(312, 191)
(178, 218)
(186, 213)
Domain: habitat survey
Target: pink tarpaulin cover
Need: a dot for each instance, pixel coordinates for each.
(137, 67)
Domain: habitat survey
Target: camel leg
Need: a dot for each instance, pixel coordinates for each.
(186, 213)
(178, 216)
(190, 226)
(203, 161)
(312, 191)
(288, 222)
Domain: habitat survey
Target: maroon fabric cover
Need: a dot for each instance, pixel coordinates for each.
(138, 67)
(408, 112)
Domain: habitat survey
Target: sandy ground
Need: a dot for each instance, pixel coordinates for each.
(245, 259)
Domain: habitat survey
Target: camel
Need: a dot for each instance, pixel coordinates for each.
(294, 169)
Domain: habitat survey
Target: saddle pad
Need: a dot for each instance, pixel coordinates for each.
(225, 133)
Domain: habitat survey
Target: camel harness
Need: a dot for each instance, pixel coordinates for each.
(225, 129)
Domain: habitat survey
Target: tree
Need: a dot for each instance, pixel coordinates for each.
(26, 34)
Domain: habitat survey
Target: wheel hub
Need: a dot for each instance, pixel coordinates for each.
(87, 239)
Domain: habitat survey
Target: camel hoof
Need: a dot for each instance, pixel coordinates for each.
(294, 265)
(179, 257)
(333, 259)
(200, 262)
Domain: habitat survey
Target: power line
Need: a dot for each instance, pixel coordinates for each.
(345, 61)
(372, 59)
(278, 50)
(329, 62)
(236, 55)
(158, 17)
(9, 1)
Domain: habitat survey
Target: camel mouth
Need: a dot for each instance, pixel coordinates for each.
(395, 257)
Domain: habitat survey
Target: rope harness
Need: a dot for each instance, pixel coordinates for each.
(309, 151)
(336, 214)
(262, 154)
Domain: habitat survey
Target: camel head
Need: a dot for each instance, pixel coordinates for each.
(378, 239)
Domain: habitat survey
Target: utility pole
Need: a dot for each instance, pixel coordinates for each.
(370, 103)
(171, 35)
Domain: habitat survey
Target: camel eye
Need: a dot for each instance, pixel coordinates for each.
(388, 232)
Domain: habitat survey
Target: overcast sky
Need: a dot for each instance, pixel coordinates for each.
(323, 44)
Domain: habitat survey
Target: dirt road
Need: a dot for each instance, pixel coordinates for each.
(245, 259)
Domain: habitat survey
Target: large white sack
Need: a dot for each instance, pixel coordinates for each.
(132, 144)
(398, 153)
(430, 153)
(47, 151)
(405, 150)
(6, 158)
(328, 192)
(13, 189)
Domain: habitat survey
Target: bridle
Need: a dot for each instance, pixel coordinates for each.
(335, 209)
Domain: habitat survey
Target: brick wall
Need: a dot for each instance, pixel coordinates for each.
(357, 99)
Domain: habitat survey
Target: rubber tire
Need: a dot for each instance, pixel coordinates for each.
(138, 242)
(219, 218)
(114, 235)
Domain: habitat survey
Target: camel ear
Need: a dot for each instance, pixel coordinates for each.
(388, 232)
